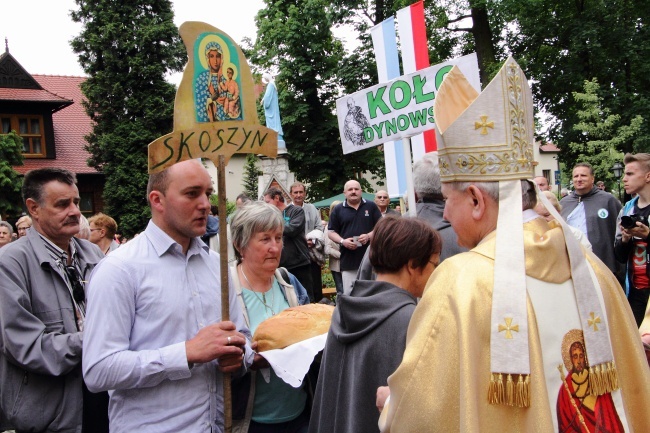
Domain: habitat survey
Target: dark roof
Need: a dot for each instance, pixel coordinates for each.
(71, 125)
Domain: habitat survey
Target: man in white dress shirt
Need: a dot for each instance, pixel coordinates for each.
(154, 334)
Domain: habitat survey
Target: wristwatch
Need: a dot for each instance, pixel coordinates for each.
(341, 243)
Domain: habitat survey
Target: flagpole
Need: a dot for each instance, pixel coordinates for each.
(408, 170)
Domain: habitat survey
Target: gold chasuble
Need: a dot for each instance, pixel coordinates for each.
(442, 383)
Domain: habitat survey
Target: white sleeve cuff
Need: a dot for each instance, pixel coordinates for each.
(174, 359)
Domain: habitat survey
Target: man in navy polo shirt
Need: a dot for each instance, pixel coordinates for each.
(351, 225)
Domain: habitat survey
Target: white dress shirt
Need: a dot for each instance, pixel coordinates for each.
(144, 301)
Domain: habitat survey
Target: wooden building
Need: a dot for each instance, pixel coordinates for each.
(47, 112)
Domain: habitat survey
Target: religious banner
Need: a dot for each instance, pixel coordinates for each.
(396, 109)
(214, 110)
(214, 117)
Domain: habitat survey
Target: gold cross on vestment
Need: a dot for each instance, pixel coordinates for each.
(484, 125)
(508, 328)
(593, 321)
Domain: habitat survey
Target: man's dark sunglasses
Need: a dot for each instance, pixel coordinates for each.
(77, 284)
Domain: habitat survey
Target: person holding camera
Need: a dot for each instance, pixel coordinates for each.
(632, 233)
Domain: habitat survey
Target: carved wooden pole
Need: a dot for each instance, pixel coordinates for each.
(217, 140)
(225, 290)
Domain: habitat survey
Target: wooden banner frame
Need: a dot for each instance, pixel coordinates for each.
(215, 116)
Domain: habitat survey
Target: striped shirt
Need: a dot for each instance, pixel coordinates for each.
(60, 257)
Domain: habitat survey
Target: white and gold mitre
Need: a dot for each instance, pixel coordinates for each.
(488, 136)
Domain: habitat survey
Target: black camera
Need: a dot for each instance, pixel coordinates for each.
(629, 221)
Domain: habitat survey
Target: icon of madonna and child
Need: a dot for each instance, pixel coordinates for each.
(217, 82)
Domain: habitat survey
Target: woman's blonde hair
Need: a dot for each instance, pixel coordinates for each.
(553, 199)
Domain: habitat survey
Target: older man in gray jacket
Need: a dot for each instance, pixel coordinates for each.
(430, 207)
(42, 310)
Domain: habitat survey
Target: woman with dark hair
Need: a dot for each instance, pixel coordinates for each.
(368, 333)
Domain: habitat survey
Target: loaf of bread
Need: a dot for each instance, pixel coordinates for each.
(293, 325)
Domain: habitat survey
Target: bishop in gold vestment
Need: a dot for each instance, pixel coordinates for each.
(489, 346)
(442, 382)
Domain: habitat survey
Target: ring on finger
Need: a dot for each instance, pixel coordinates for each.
(229, 340)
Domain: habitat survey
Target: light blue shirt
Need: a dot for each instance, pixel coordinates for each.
(275, 401)
(144, 301)
(578, 219)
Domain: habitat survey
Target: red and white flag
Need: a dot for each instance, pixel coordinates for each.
(415, 56)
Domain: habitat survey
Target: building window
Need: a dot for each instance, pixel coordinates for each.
(30, 129)
(547, 175)
(87, 203)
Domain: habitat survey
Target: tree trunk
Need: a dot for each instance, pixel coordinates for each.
(482, 40)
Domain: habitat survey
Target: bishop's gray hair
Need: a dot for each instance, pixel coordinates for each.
(491, 189)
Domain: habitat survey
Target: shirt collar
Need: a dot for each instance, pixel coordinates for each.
(345, 202)
(529, 215)
(162, 242)
(55, 252)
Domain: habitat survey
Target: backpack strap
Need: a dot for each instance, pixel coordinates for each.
(282, 275)
(236, 286)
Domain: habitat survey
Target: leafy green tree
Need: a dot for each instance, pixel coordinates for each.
(230, 205)
(561, 44)
(295, 40)
(459, 27)
(358, 68)
(251, 176)
(601, 132)
(454, 27)
(11, 147)
(127, 48)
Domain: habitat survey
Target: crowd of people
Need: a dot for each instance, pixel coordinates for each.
(496, 308)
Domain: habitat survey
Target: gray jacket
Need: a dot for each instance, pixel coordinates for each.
(295, 252)
(40, 347)
(431, 212)
(364, 346)
(601, 210)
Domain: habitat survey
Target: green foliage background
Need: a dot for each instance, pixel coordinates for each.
(127, 48)
(230, 205)
(250, 178)
(295, 40)
(560, 45)
(11, 147)
(563, 44)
